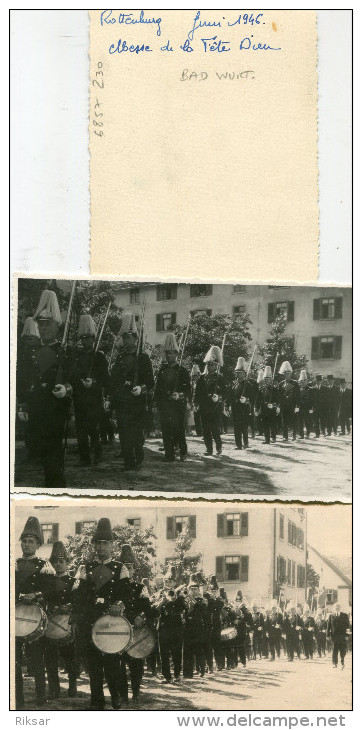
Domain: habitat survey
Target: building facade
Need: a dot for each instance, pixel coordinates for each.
(259, 549)
(335, 579)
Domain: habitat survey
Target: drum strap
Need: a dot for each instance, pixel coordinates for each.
(29, 620)
(59, 626)
(111, 633)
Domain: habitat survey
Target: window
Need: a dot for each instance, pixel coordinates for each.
(284, 308)
(239, 309)
(272, 286)
(289, 573)
(293, 573)
(165, 321)
(200, 290)
(327, 308)
(295, 535)
(300, 576)
(175, 525)
(281, 569)
(281, 527)
(239, 289)
(202, 312)
(300, 539)
(50, 532)
(331, 595)
(233, 524)
(80, 526)
(326, 348)
(134, 521)
(134, 295)
(165, 292)
(232, 568)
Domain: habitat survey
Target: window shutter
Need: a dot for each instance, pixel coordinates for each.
(244, 524)
(159, 295)
(209, 312)
(221, 525)
(192, 525)
(315, 348)
(338, 347)
(219, 570)
(290, 311)
(316, 308)
(208, 290)
(334, 596)
(78, 528)
(278, 568)
(174, 291)
(271, 313)
(170, 528)
(338, 307)
(244, 568)
(158, 323)
(55, 531)
(173, 318)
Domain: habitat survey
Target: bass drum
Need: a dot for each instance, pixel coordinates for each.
(30, 621)
(228, 633)
(112, 634)
(143, 643)
(59, 630)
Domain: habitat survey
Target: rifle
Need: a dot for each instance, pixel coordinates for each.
(64, 342)
(184, 340)
(223, 344)
(139, 343)
(249, 368)
(99, 339)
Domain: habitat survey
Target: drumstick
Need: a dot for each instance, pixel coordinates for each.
(111, 633)
(132, 646)
(30, 620)
(59, 626)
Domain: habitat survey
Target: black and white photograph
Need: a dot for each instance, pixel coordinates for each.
(234, 389)
(133, 604)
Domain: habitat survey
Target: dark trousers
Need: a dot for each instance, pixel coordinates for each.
(87, 433)
(269, 425)
(211, 428)
(339, 647)
(53, 653)
(332, 420)
(321, 643)
(135, 667)
(257, 643)
(35, 656)
(289, 421)
(319, 423)
(173, 431)
(241, 432)
(345, 424)
(274, 644)
(193, 656)
(198, 425)
(308, 644)
(292, 645)
(171, 646)
(100, 667)
(208, 654)
(241, 651)
(131, 437)
(217, 647)
(105, 428)
(305, 420)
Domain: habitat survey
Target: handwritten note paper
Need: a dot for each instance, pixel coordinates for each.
(203, 143)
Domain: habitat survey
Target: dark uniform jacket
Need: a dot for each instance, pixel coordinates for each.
(208, 385)
(274, 624)
(292, 624)
(337, 626)
(195, 621)
(61, 592)
(289, 395)
(346, 403)
(126, 373)
(171, 379)
(241, 409)
(102, 587)
(48, 366)
(333, 399)
(88, 365)
(171, 621)
(307, 400)
(267, 394)
(30, 577)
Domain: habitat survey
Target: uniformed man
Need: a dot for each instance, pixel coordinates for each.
(345, 410)
(241, 399)
(292, 627)
(170, 632)
(338, 625)
(333, 399)
(29, 344)
(195, 375)
(266, 405)
(172, 391)
(50, 392)
(273, 629)
(258, 629)
(130, 382)
(60, 602)
(89, 377)
(215, 606)
(195, 615)
(209, 397)
(102, 587)
(320, 632)
(308, 633)
(138, 612)
(33, 582)
(305, 417)
(320, 408)
(288, 401)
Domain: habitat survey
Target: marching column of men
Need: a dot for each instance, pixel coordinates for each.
(106, 623)
(52, 376)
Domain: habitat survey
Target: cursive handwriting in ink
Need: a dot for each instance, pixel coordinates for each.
(122, 47)
(247, 43)
(202, 24)
(245, 19)
(212, 44)
(107, 18)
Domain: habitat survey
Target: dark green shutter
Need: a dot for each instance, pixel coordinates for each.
(315, 348)
(209, 312)
(334, 596)
(174, 291)
(55, 532)
(78, 528)
(219, 568)
(290, 312)
(221, 525)
(338, 307)
(192, 525)
(244, 568)
(173, 319)
(316, 308)
(338, 347)
(208, 290)
(159, 293)
(158, 323)
(271, 313)
(244, 524)
(170, 528)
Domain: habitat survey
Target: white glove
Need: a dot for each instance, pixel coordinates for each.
(296, 409)
(267, 634)
(23, 416)
(242, 399)
(277, 626)
(215, 398)
(87, 382)
(107, 406)
(81, 573)
(260, 628)
(270, 405)
(257, 413)
(310, 628)
(311, 410)
(277, 410)
(124, 572)
(59, 391)
(175, 396)
(47, 569)
(136, 390)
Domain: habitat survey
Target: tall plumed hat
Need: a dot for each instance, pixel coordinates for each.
(86, 326)
(48, 307)
(170, 573)
(58, 551)
(285, 368)
(303, 377)
(214, 586)
(260, 376)
(103, 530)
(195, 370)
(267, 372)
(32, 529)
(239, 595)
(30, 328)
(128, 325)
(170, 343)
(223, 594)
(214, 354)
(241, 364)
(127, 555)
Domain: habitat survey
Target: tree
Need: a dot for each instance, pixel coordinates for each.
(312, 579)
(81, 550)
(184, 563)
(283, 345)
(93, 297)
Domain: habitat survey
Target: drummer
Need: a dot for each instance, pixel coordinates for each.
(60, 603)
(139, 613)
(33, 578)
(101, 587)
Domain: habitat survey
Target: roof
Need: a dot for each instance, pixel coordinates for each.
(341, 565)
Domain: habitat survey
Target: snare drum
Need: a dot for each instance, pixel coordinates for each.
(59, 630)
(143, 643)
(112, 634)
(30, 621)
(228, 633)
